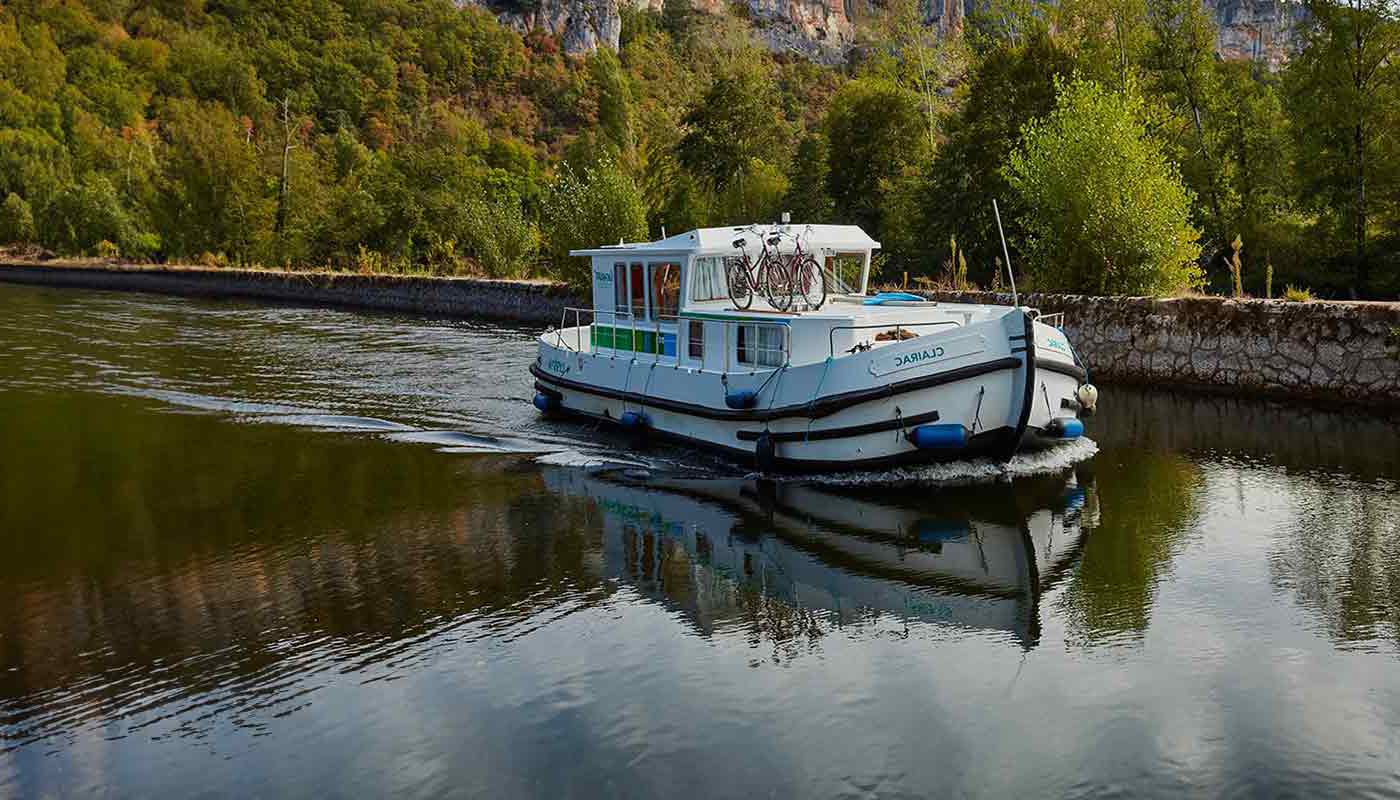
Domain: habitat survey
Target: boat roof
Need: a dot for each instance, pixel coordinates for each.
(839, 238)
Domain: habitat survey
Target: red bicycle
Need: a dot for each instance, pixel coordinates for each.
(808, 277)
(770, 274)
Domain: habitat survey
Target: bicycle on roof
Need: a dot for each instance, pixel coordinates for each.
(806, 273)
(768, 275)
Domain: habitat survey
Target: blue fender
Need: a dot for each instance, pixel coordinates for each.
(740, 399)
(938, 437)
(1064, 428)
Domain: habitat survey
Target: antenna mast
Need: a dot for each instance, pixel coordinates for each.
(1015, 298)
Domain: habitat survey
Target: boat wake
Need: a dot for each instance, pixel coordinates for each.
(965, 473)
(952, 473)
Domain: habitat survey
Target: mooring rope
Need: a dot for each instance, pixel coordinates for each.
(811, 404)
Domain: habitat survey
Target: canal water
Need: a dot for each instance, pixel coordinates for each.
(265, 550)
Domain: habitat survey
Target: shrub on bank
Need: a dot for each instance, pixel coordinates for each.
(1107, 212)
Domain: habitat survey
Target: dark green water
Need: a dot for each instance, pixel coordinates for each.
(264, 551)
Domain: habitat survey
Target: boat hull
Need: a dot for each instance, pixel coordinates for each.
(853, 412)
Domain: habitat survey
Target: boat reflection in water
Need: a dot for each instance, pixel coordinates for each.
(977, 557)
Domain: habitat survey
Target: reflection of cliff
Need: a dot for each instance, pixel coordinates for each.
(786, 559)
(1339, 555)
(1149, 503)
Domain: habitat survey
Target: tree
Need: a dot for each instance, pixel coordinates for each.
(874, 128)
(16, 221)
(499, 237)
(806, 196)
(1181, 57)
(1107, 213)
(213, 193)
(1345, 99)
(678, 19)
(599, 206)
(1109, 38)
(614, 102)
(1011, 86)
(729, 126)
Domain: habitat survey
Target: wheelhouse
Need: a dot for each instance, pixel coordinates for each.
(669, 299)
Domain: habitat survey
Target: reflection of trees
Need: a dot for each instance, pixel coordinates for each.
(1195, 423)
(193, 555)
(1147, 501)
(1340, 556)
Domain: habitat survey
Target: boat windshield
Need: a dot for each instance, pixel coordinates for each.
(843, 272)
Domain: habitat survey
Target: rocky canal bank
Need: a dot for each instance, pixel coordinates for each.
(535, 302)
(1332, 352)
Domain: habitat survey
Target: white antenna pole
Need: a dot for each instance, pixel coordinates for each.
(1015, 298)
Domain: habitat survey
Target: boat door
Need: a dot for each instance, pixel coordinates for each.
(640, 314)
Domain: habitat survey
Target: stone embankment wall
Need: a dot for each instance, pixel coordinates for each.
(1340, 353)
(534, 302)
(1334, 352)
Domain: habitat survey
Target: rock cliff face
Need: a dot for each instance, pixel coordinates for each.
(1258, 30)
(818, 29)
(581, 26)
(822, 30)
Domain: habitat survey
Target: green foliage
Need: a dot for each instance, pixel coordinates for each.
(1294, 294)
(423, 135)
(16, 220)
(728, 127)
(1106, 212)
(599, 206)
(806, 197)
(500, 238)
(877, 128)
(1008, 88)
(1344, 93)
(678, 20)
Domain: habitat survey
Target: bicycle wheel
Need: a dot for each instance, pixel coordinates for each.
(736, 274)
(811, 283)
(778, 283)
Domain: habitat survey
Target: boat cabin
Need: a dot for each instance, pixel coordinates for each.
(669, 300)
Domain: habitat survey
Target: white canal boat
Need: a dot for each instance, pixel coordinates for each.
(845, 381)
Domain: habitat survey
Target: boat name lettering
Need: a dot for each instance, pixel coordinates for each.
(602, 277)
(908, 359)
(1058, 344)
(557, 366)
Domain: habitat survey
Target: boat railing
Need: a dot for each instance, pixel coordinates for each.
(1055, 320)
(898, 329)
(629, 326)
(620, 322)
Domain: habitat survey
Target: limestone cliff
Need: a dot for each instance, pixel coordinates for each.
(1262, 30)
(581, 26)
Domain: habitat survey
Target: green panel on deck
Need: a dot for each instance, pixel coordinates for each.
(610, 338)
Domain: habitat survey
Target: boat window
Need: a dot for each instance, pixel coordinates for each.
(620, 305)
(696, 337)
(843, 272)
(637, 287)
(761, 345)
(665, 290)
(708, 283)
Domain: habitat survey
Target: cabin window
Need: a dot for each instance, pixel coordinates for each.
(696, 338)
(708, 283)
(665, 290)
(843, 272)
(620, 304)
(637, 289)
(761, 345)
